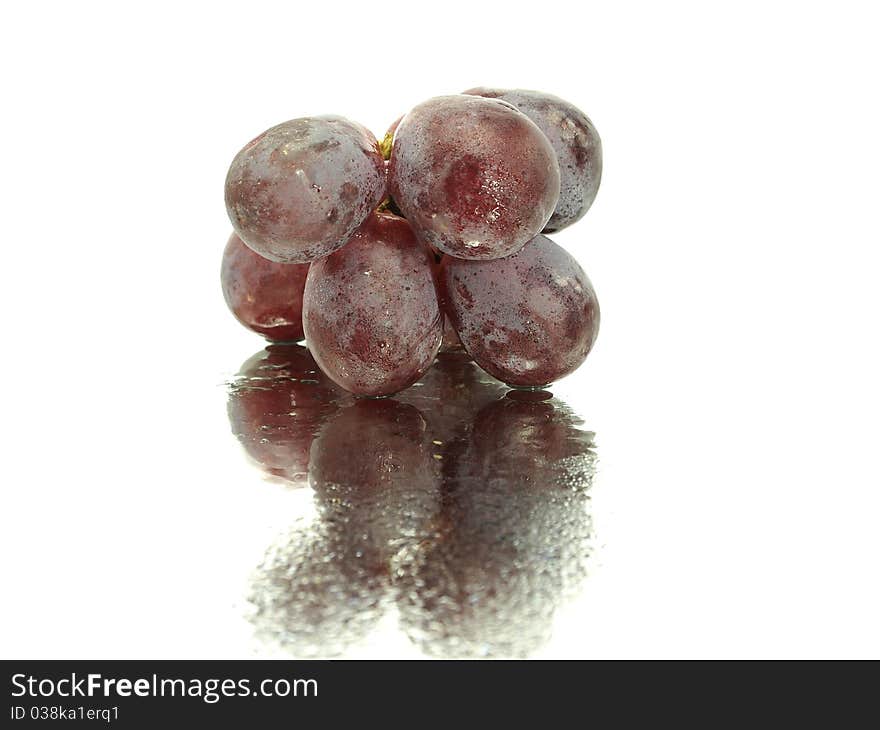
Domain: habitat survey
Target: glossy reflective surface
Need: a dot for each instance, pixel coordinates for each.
(457, 510)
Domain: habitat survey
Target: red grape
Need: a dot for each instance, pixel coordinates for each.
(527, 319)
(575, 141)
(370, 310)
(475, 178)
(264, 296)
(300, 189)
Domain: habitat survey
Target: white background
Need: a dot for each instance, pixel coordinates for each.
(733, 246)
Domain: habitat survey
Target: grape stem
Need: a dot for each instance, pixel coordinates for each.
(385, 145)
(392, 207)
(385, 150)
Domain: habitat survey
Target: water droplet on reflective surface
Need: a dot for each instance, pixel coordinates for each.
(458, 503)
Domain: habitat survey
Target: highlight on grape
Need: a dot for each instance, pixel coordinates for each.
(382, 253)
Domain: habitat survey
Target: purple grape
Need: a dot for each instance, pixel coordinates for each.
(575, 141)
(528, 319)
(474, 177)
(370, 310)
(299, 190)
(264, 296)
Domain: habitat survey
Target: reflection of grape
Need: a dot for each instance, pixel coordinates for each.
(450, 394)
(264, 296)
(575, 141)
(527, 319)
(321, 589)
(370, 310)
(515, 535)
(277, 404)
(300, 189)
(312, 595)
(464, 506)
(474, 177)
(375, 479)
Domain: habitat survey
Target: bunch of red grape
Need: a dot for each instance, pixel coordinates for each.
(379, 253)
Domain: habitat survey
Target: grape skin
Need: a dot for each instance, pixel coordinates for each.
(264, 296)
(370, 310)
(475, 178)
(528, 319)
(299, 190)
(575, 141)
